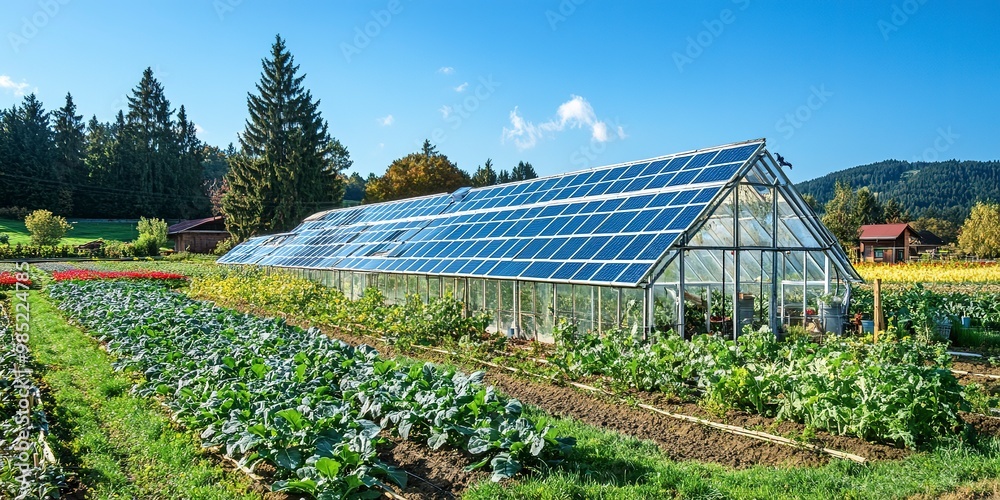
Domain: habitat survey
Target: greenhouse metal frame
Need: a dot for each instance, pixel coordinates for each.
(607, 247)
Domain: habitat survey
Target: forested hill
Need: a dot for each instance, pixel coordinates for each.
(948, 187)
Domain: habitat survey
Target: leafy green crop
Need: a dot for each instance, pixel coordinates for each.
(898, 392)
(315, 408)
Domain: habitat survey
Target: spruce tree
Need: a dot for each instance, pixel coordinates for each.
(150, 137)
(70, 144)
(29, 164)
(192, 198)
(522, 172)
(485, 175)
(288, 166)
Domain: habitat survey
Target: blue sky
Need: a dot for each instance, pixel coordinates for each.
(564, 84)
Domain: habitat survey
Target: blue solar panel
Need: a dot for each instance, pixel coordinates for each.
(686, 217)
(589, 249)
(567, 270)
(659, 245)
(683, 178)
(531, 221)
(738, 154)
(717, 173)
(540, 270)
(609, 272)
(586, 272)
(614, 247)
(632, 251)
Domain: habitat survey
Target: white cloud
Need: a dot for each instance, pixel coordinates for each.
(198, 129)
(386, 121)
(445, 111)
(462, 87)
(11, 86)
(446, 70)
(574, 113)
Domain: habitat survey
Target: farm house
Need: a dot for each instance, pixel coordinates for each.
(705, 240)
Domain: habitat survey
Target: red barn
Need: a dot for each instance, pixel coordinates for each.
(893, 243)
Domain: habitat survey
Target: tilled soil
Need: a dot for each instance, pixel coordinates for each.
(431, 474)
(680, 440)
(856, 446)
(972, 367)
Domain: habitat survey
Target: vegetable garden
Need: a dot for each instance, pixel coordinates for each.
(311, 415)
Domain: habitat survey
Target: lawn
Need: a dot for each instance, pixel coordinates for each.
(82, 232)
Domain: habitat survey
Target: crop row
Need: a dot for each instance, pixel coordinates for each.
(315, 408)
(898, 392)
(917, 309)
(24, 471)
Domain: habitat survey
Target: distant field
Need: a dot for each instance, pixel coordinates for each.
(81, 233)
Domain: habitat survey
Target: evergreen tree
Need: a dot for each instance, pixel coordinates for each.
(485, 175)
(95, 195)
(522, 172)
(70, 144)
(503, 177)
(191, 197)
(29, 157)
(150, 137)
(289, 166)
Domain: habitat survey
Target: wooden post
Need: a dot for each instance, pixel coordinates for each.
(877, 314)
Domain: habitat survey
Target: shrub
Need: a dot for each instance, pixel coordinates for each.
(155, 229)
(46, 229)
(4, 239)
(119, 250)
(146, 245)
(224, 246)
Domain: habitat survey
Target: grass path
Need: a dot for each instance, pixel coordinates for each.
(120, 446)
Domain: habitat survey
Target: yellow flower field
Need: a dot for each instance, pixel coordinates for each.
(931, 272)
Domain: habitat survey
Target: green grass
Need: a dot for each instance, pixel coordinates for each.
(82, 232)
(607, 465)
(121, 446)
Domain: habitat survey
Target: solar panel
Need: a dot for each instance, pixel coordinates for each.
(606, 224)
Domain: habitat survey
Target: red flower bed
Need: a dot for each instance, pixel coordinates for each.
(9, 279)
(84, 274)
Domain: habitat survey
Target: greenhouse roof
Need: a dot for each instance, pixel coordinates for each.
(603, 226)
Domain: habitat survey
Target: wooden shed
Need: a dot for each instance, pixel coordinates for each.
(199, 235)
(893, 243)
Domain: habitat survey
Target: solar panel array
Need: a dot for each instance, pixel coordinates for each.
(607, 225)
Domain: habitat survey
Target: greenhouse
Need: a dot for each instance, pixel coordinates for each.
(707, 240)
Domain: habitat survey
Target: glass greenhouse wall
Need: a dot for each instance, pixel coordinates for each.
(721, 227)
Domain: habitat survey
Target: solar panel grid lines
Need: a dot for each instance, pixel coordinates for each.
(619, 218)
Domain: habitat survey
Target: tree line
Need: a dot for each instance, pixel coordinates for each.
(944, 190)
(849, 209)
(147, 162)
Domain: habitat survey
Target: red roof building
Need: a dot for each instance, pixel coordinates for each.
(893, 243)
